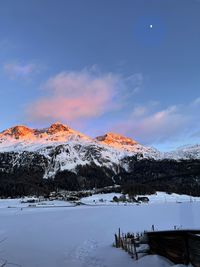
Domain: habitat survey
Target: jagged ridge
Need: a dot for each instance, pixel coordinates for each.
(67, 149)
(71, 160)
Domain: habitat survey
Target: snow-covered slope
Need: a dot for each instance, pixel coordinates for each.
(67, 148)
(22, 138)
(186, 152)
(126, 144)
(63, 148)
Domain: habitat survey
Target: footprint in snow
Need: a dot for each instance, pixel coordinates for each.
(84, 255)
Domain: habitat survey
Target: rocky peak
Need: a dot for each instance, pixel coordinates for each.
(57, 132)
(18, 132)
(116, 139)
(58, 128)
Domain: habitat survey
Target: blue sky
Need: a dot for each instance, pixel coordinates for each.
(98, 66)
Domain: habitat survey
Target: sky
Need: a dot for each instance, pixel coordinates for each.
(125, 66)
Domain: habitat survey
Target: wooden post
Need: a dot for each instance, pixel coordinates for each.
(122, 241)
(135, 251)
(126, 242)
(132, 254)
(132, 249)
(119, 237)
(116, 241)
(128, 245)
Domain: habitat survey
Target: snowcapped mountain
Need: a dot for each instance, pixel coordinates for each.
(117, 141)
(71, 148)
(76, 148)
(74, 160)
(22, 138)
(128, 145)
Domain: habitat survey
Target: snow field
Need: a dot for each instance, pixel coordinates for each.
(159, 197)
(82, 236)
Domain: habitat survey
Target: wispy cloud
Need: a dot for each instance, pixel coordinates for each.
(133, 83)
(196, 102)
(139, 111)
(75, 96)
(151, 124)
(18, 70)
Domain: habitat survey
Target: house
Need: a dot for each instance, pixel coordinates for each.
(143, 199)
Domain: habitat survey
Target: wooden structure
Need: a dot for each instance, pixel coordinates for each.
(179, 246)
(127, 242)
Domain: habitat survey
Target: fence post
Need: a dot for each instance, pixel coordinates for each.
(122, 240)
(119, 237)
(134, 246)
(132, 254)
(116, 241)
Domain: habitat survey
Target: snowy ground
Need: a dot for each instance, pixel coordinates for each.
(82, 236)
(159, 197)
(96, 199)
(22, 203)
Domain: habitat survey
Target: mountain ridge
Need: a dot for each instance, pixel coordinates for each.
(58, 156)
(23, 138)
(58, 133)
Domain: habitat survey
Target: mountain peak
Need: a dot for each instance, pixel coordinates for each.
(116, 140)
(57, 132)
(61, 133)
(57, 127)
(18, 132)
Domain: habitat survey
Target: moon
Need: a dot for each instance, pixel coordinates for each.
(151, 26)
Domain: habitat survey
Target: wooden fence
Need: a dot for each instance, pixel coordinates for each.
(128, 242)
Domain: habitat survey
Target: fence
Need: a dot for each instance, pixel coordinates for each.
(128, 242)
(180, 246)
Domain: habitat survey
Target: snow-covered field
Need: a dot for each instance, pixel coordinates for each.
(82, 236)
(22, 203)
(159, 197)
(162, 197)
(96, 199)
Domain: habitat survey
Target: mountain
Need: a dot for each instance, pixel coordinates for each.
(117, 141)
(68, 148)
(36, 160)
(186, 152)
(22, 138)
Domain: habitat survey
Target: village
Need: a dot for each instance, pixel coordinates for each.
(76, 197)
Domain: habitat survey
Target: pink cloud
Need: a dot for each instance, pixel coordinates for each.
(74, 96)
